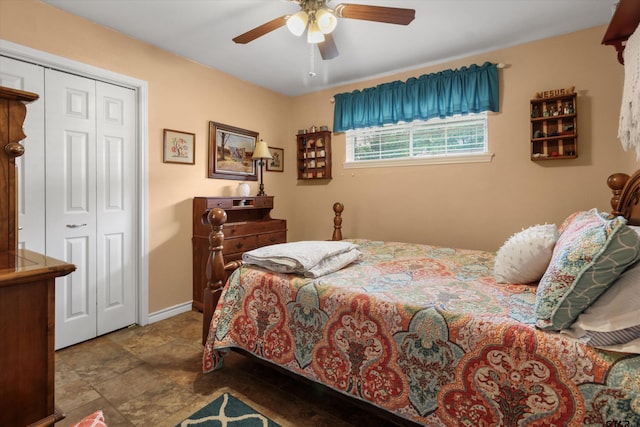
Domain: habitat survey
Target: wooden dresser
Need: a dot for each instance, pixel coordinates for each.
(249, 226)
(27, 287)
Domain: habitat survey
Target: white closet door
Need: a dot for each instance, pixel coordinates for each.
(116, 156)
(30, 166)
(71, 201)
(84, 211)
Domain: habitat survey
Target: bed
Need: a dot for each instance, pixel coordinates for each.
(428, 335)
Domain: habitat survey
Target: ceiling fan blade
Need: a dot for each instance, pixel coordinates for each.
(328, 49)
(390, 15)
(261, 30)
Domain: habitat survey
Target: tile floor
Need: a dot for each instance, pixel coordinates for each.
(152, 376)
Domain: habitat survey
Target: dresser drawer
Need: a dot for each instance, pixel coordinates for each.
(254, 227)
(239, 244)
(272, 238)
(219, 203)
(263, 202)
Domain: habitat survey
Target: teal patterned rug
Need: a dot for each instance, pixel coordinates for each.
(228, 411)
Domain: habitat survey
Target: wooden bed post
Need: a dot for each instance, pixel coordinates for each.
(337, 221)
(216, 275)
(616, 183)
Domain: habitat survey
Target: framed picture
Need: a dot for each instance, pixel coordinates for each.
(276, 164)
(179, 147)
(230, 152)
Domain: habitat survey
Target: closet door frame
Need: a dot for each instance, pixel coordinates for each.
(140, 87)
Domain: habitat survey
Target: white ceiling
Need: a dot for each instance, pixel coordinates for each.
(201, 30)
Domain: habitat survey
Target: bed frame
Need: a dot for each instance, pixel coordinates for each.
(625, 202)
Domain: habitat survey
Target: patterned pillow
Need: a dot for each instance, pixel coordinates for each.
(94, 420)
(524, 257)
(568, 220)
(614, 319)
(589, 256)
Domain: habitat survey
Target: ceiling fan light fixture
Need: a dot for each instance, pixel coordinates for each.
(297, 23)
(314, 35)
(326, 20)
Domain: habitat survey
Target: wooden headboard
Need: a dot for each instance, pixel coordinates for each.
(626, 195)
(623, 23)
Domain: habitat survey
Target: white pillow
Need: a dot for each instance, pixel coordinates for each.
(525, 256)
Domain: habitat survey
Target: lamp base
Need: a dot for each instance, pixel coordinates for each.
(261, 190)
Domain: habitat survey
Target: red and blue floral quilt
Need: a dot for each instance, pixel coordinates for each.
(425, 333)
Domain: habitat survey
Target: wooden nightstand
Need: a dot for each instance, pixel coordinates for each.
(249, 226)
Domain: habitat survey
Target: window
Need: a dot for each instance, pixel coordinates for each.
(451, 140)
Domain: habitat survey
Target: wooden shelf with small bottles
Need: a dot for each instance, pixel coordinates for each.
(554, 125)
(314, 155)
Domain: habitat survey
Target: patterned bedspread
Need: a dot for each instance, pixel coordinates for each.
(425, 333)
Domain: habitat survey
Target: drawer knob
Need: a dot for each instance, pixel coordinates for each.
(239, 245)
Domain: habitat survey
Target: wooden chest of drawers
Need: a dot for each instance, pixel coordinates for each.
(249, 226)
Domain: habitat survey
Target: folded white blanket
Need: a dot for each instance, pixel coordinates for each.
(309, 258)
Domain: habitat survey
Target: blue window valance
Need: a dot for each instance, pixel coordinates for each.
(466, 90)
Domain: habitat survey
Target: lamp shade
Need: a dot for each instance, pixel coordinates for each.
(326, 20)
(261, 151)
(297, 23)
(314, 35)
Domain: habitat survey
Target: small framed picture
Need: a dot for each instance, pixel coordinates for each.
(179, 147)
(276, 164)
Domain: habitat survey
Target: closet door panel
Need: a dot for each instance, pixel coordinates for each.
(30, 166)
(71, 199)
(116, 157)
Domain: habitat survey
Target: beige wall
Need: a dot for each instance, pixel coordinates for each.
(471, 205)
(183, 95)
(480, 205)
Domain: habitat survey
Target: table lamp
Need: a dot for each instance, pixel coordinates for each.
(260, 153)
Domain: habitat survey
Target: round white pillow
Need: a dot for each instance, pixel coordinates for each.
(525, 256)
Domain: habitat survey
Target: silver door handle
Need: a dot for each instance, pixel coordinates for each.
(19, 228)
(76, 225)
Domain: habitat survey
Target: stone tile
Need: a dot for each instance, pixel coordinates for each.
(129, 385)
(179, 360)
(153, 407)
(74, 394)
(64, 373)
(138, 339)
(98, 359)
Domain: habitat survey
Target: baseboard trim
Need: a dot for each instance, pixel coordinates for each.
(169, 312)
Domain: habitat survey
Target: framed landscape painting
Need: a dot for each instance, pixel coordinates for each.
(230, 152)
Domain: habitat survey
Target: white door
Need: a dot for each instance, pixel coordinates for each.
(90, 161)
(85, 210)
(71, 218)
(116, 203)
(31, 211)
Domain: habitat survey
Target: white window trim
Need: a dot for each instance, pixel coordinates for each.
(448, 158)
(430, 160)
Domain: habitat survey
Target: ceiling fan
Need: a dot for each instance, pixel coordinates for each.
(319, 21)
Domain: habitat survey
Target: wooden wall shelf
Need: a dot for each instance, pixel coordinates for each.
(314, 155)
(554, 127)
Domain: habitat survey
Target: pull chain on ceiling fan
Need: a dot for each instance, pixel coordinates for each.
(319, 21)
